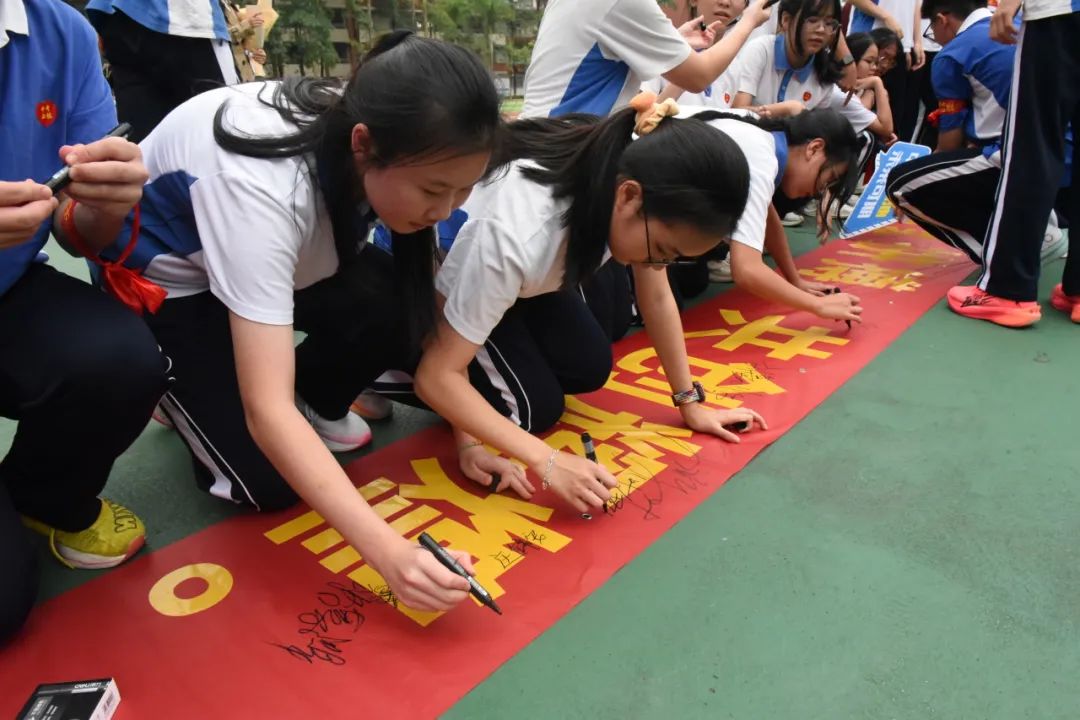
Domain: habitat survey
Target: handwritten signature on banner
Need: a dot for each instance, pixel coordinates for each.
(327, 628)
(499, 530)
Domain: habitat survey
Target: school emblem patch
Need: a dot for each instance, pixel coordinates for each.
(46, 112)
(727, 98)
(806, 96)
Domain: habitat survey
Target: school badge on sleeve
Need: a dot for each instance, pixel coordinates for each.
(46, 112)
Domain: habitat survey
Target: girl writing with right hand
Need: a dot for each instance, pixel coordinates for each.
(254, 224)
(809, 155)
(515, 334)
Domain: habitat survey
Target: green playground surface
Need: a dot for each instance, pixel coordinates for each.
(909, 550)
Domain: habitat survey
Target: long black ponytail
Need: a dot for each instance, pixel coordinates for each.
(419, 98)
(689, 173)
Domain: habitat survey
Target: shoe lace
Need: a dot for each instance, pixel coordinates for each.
(123, 519)
(975, 299)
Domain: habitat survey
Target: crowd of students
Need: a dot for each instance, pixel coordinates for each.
(437, 254)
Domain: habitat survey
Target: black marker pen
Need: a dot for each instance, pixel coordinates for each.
(448, 561)
(62, 177)
(590, 454)
(833, 291)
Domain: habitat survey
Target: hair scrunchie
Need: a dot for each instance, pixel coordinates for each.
(650, 113)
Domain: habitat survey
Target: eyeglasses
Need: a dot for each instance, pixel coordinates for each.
(929, 34)
(829, 179)
(830, 25)
(662, 262)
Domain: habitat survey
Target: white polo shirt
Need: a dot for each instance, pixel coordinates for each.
(252, 231)
(592, 55)
(512, 245)
(760, 148)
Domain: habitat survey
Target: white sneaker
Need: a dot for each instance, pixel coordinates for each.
(1054, 241)
(348, 433)
(792, 219)
(720, 270)
(810, 209)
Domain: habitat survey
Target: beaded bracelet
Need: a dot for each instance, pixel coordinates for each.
(546, 482)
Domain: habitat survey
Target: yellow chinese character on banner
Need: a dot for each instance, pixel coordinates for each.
(494, 522)
(639, 374)
(867, 275)
(888, 251)
(785, 343)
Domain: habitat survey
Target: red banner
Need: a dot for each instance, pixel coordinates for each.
(274, 616)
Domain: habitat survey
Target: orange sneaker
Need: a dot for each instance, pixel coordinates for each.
(1068, 304)
(972, 302)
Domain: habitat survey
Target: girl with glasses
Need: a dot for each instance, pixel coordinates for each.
(869, 87)
(797, 68)
(810, 155)
(889, 49)
(515, 334)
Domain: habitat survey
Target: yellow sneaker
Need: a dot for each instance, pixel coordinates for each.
(116, 535)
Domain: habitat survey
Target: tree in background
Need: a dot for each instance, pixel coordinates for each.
(302, 38)
(523, 25)
(359, 19)
(302, 34)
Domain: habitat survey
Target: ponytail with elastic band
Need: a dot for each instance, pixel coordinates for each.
(651, 113)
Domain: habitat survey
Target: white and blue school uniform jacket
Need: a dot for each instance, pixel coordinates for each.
(508, 242)
(251, 231)
(972, 76)
(763, 71)
(591, 56)
(184, 18)
(52, 93)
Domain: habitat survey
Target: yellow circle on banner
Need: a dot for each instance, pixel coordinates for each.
(163, 598)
